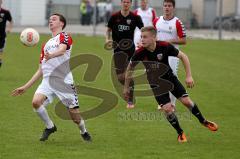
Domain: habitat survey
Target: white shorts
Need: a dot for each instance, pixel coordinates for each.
(173, 62)
(68, 97)
(137, 37)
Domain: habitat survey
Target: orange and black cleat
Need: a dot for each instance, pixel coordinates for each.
(210, 125)
(182, 138)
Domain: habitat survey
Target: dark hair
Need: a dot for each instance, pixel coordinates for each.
(150, 29)
(62, 19)
(170, 1)
(122, 0)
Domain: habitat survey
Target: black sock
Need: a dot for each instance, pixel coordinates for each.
(172, 118)
(196, 112)
(131, 95)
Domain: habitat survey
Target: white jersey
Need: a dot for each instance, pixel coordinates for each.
(147, 17)
(57, 66)
(169, 29)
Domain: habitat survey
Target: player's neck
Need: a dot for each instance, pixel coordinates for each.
(125, 13)
(168, 17)
(152, 47)
(144, 9)
(56, 31)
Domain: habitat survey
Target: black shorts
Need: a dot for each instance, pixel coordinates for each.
(2, 44)
(168, 83)
(121, 59)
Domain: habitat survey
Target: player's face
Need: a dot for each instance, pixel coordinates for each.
(168, 8)
(126, 5)
(54, 22)
(144, 4)
(147, 39)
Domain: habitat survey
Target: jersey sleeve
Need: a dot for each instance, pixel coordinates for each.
(139, 22)
(155, 22)
(181, 32)
(110, 22)
(154, 15)
(172, 51)
(135, 11)
(8, 16)
(42, 54)
(66, 39)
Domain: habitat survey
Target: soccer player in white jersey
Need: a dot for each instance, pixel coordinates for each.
(170, 29)
(54, 67)
(148, 16)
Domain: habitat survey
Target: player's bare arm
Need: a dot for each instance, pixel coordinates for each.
(108, 35)
(184, 58)
(22, 89)
(179, 41)
(61, 51)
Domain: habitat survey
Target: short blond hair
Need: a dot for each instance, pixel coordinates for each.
(150, 29)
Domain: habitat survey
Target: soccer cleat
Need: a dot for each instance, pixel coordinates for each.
(210, 125)
(47, 133)
(130, 105)
(86, 137)
(182, 138)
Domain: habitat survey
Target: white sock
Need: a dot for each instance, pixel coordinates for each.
(82, 127)
(42, 113)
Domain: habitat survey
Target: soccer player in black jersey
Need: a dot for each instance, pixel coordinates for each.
(120, 30)
(4, 17)
(154, 55)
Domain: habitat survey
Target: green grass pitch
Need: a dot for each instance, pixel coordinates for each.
(215, 67)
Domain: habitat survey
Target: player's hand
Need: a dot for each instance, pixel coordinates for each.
(189, 82)
(109, 45)
(126, 93)
(18, 91)
(47, 56)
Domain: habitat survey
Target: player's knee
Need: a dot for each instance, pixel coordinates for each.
(76, 121)
(121, 78)
(186, 101)
(36, 103)
(168, 108)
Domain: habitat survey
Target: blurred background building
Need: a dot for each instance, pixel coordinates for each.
(193, 13)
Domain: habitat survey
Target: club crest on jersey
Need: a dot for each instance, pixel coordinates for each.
(159, 56)
(170, 28)
(129, 21)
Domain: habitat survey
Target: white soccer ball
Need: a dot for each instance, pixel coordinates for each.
(29, 37)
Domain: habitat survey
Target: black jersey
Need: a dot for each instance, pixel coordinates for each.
(157, 60)
(124, 27)
(4, 17)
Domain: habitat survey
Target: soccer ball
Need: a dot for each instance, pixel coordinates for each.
(29, 37)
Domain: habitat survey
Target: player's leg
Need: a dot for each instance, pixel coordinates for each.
(166, 107)
(193, 108)
(76, 117)
(39, 102)
(121, 61)
(174, 64)
(2, 43)
(42, 97)
(180, 93)
(70, 100)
